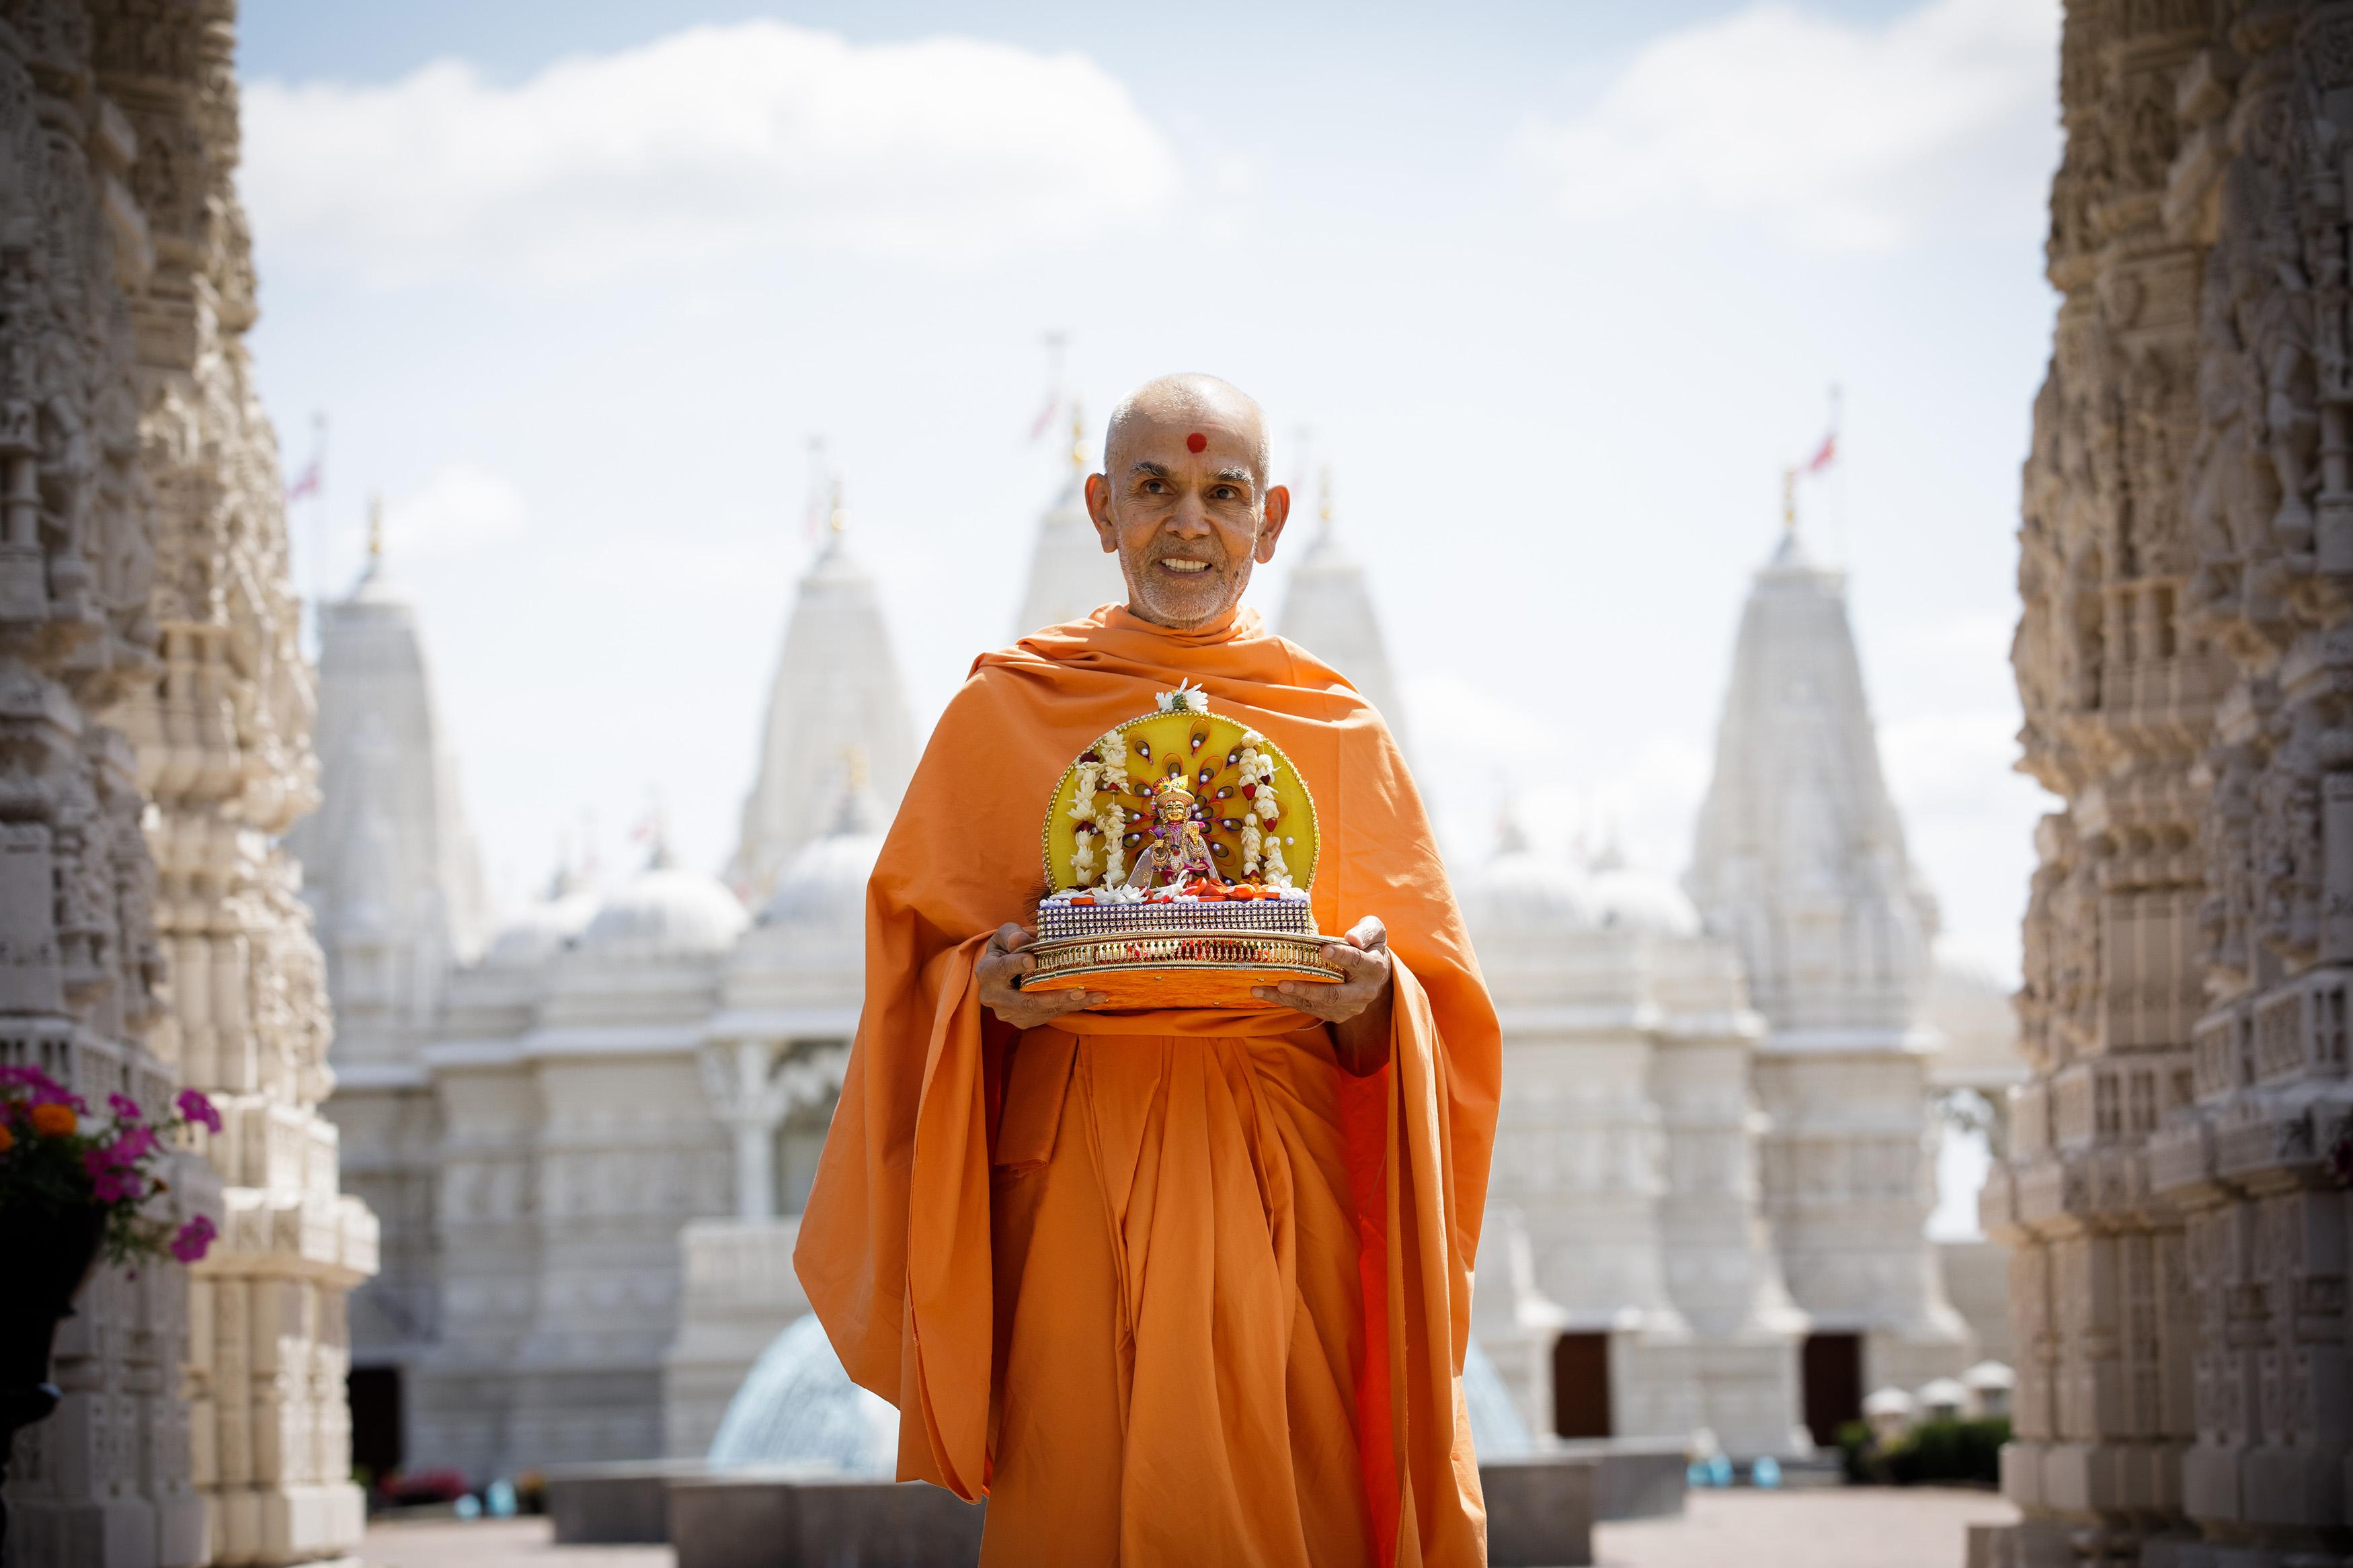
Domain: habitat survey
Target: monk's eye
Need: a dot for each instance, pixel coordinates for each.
(1223, 492)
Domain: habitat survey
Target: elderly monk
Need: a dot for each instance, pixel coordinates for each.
(1170, 1286)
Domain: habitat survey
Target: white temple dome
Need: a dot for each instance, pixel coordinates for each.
(1635, 900)
(1521, 894)
(666, 913)
(825, 885)
(540, 930)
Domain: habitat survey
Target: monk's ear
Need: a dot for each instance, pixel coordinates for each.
(1269, 528)
(1099, 509)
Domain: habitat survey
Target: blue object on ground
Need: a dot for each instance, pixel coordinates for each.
(500, 1496)
(470, 1507)
(1766, 1472)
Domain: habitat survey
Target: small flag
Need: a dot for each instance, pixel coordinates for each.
(1038, 426)
(1827, 455)
(1056, 343)
(310, 480)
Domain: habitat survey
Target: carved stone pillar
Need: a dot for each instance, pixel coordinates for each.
(2185, 659)
(223, 740)
(106, 1480)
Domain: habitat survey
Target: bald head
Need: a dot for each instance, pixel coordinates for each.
(1183, 497)
(1192, 399)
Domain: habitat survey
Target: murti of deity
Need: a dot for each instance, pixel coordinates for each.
(1176, 851)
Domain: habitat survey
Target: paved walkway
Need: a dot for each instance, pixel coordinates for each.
(494, 1543)
(1861, 1527)
(1826, 1527)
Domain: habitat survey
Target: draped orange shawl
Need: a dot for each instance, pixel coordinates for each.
(894, 1247)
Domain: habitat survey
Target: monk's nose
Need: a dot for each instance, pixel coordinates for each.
(1190, 519)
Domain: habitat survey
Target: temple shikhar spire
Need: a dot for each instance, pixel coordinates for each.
(1327, 610)
(1800, 860)
(1070, 574)
(390, 871)
(836, 695)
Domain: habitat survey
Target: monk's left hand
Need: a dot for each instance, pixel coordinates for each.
(1357, 1008)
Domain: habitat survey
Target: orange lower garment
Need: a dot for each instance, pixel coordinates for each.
(1180, 1310)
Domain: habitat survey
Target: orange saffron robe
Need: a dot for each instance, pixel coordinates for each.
(1166, 1287)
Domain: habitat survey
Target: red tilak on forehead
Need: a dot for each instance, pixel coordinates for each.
(1197, 442)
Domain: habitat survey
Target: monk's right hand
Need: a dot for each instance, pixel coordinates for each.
(1001, 968)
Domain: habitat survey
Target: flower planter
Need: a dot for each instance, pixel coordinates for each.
(49, 1253)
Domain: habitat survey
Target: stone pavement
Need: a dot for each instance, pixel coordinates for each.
(1861, 1527)
(1827, 1527)
(493, 1544)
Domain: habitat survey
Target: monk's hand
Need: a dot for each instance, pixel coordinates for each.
(1357, 1008)
(1001, 968)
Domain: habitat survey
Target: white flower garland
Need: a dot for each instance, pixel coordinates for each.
(1261, 849)
(1104, 815)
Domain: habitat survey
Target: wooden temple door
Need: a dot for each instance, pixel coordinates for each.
(1580, 1385)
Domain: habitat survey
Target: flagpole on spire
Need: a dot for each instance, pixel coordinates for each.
(1056, 343)
(813, 496)
(1824, 456)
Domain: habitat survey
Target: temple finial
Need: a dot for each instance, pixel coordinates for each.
(1789, 501)
(375, 526)
(1077, 436)
(1324, 500)
(838, 520)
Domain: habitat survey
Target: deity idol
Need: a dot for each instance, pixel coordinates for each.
(1178, 852)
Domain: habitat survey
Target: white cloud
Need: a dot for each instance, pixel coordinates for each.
(1837, 136)
(461, 507)
(714, 141)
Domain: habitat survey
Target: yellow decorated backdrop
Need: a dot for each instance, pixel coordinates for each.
(1194, 744)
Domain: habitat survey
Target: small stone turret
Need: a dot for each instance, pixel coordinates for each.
(1327, 610)
(836, 704)
(1069, 571)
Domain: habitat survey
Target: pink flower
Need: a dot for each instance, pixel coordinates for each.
(131, 1145)
(125, 1108)
(197, 1110)
(194, 1240)
(46, 1090)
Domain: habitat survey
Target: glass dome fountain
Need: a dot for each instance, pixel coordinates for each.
(797, 1408)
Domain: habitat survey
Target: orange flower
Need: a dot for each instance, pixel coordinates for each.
(7, 1139)
(54, 1120)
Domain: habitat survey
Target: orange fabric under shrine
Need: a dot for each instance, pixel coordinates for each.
(1167, 1286)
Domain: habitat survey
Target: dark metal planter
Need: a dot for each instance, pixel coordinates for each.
(47, 1254)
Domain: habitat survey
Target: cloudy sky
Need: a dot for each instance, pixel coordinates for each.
(1556, 289)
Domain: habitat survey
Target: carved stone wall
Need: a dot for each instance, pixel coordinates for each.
(142, 578)
(106, 1479)
(2185, 658)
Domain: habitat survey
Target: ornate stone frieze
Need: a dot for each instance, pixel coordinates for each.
(2187, 572)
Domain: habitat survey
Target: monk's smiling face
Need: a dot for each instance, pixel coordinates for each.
(1183, 497)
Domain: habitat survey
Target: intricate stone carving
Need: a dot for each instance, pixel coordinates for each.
(2186, 557)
